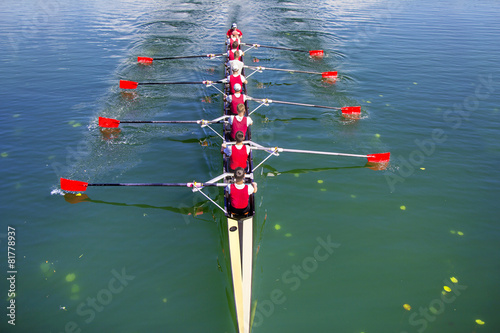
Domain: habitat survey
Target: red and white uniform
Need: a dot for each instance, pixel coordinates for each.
(239, 124)
(236, 99)
(230, 32)
(239, 195)
(230, 55)
(238, 156)
(233, 79)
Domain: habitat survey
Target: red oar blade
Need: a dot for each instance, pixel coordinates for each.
(145, 60)
(108, 122)
(379, 158)
(73, 185)
(330, 75)
(351, 111)
(128, 84)
(316, 53)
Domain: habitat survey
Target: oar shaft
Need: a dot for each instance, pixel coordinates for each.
(279, 150)
(276, 47)
(162, 83)
(303, 104)
(191, 56)
(159, 121)
(282, 70)
(157, 184)
(318, 152)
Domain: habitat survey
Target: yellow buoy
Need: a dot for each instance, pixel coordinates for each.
(402, 207)
(407, 307)
(277, 227)
(452, 279)
(460, 233)
(320, 181)
(479, 322)
(448, 289)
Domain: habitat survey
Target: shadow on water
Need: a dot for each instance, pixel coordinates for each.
(196, 210)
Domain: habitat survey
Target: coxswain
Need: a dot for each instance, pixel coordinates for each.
(237, 153)
(236, 98)
(234, 31)
(235, 78)
(239, 193)
(240, 122)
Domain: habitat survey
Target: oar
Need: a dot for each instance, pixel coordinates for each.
(111, 123)
(329, 75)
(372, 158)
(149, 60)
(79, 186)
(132, 85)
(312, 53)
(346, 110)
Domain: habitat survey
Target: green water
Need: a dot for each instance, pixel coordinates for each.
(141, 259)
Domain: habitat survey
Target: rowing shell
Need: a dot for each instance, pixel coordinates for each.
(240, 235)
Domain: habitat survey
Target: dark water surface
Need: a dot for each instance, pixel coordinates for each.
(339, 247)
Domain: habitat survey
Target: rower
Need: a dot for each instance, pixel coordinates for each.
(234, 38)
(239, 193)
(238, 153)
(240, 122)
(236, 98)
(235, 78)
(234, 31)
(234, 56)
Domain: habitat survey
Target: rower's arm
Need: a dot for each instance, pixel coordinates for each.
(254, 184)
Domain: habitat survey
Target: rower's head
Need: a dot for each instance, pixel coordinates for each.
(237, 87)
(241, 109)
(239, 174)
(235, 68)
(234, 45)
(239, 137)
(234, 26)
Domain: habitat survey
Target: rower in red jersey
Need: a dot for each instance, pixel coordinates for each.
(239, 193)
(234, 53)
(237, 153)
(235, 78)
(236, 98)
(240, 122)
(234, 38)
(234, 31)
